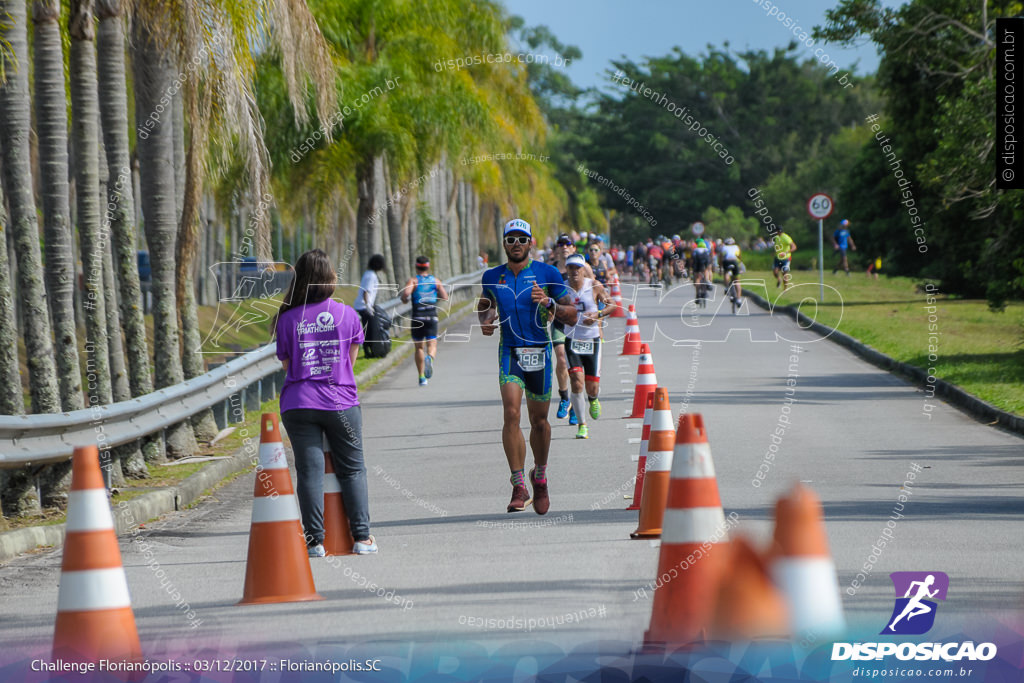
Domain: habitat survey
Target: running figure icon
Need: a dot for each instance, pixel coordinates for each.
(917, 595)
(915, 606)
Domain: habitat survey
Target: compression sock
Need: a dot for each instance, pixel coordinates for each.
(518, 478)
(563, 394)
(579, 404)
(540, 474)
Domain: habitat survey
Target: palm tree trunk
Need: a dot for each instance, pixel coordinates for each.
(11, 400)
(400, 256)
(155, 148)
(24, 225)
(20, 495)
(52, 131)
(120, 210)
(367, 210)
(188, 198)
(85, 134)
(118, 371)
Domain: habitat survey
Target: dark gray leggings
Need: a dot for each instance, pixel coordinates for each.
(344, 430)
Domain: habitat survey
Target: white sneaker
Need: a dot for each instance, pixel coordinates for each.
(361, 548)
(317, 550)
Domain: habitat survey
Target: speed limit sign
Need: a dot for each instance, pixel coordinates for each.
(820, 206)
(697, 229)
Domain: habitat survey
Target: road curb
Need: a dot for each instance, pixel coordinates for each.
(952, 394)
(156, 503)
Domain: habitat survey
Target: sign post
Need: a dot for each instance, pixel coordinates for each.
(820, 206)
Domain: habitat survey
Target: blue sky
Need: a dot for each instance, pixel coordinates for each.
(607, 29)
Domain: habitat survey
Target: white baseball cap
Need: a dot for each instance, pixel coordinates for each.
(575, 260)
(517, 225)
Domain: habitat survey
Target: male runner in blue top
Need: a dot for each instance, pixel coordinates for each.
(841, 241)
(521, 296)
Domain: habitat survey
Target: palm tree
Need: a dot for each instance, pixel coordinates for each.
(24, 227)
(154, 75)
(120, 208)
(52, 130)
(85, 140)
(11, 400)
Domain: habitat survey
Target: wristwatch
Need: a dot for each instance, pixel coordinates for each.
(550, 304)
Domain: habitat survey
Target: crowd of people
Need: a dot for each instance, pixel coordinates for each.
(548, 304)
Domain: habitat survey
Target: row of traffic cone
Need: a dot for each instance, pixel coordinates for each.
(731, 591)
(94, 615)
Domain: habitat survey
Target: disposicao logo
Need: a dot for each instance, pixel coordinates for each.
(913, 615)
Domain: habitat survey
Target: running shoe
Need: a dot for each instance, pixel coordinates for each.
(581, 433)
(364, 548)
(317, 550)
(423, 381)
(541, 502)
(520, 499)
(595, 409)
(563, 409)
(428, 366)
(573, 420)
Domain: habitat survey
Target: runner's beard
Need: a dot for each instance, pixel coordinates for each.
(513, 259)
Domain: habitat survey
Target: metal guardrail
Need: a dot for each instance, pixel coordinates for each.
(52, 437)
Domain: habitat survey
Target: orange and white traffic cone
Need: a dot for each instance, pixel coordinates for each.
(631, 343)
(802, 565)
(277, 568)
(618, 311)
(641, 463)
(749, 606)
(337, 534)
(646, 381)
(690, 572)
(659, 466)
(94, 613)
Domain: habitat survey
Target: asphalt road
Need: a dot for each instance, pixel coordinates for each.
(451, 557)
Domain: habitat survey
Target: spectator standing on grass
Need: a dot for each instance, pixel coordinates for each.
(317, 343)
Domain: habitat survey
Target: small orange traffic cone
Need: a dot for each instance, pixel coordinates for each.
(641, 463)
(646, 381)
(94, 613)
(277, 568)
(685, 603)
(802, 565)
(659, 466)
(337, 534)
(749, 606)
(618, 311)
(631, 343)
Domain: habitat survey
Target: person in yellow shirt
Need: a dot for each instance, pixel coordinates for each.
(784, 247)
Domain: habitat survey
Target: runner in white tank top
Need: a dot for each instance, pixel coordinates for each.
(583, 342)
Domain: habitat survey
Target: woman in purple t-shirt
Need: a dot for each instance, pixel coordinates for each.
(317, 341)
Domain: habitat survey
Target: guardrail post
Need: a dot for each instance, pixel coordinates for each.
(236, 411)
(252, 394)
(268, 388)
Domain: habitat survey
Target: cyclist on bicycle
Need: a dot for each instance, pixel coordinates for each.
(731, 266)
(655, 254)
(701, 256)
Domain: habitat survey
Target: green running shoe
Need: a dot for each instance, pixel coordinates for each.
(581, 433)
(595, 409)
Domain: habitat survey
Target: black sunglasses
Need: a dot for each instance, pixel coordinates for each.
(518, 239)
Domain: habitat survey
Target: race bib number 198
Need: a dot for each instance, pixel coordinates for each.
(530, 359)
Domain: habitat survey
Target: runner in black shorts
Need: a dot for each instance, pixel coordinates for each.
(424, 290)
(583, 342)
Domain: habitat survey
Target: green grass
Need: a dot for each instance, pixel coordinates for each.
(978, 350)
